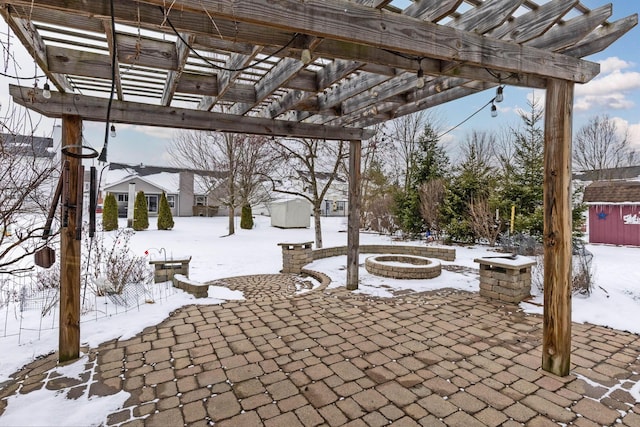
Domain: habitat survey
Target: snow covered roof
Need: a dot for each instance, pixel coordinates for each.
(612, 192)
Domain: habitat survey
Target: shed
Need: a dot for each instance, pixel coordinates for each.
(291, 213)
(614, 212)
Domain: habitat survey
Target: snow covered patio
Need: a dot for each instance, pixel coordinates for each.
(333, 357)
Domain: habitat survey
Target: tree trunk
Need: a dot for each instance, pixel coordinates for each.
(317, 225)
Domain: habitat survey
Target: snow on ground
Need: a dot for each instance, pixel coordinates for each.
(615, 301)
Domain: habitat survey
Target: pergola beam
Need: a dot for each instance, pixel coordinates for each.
(353, 23)
(95, 109)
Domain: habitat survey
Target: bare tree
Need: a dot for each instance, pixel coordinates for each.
(406, 132)
(243, 159)
(599, 145)
(484, 223)
(27, 179)
(314, 163)
(431, 197)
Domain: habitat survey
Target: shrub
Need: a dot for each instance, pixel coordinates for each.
(140, 212)
(165, 218)
(110, 213)
(246, 219)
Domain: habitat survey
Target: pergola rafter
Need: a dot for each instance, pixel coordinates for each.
(237, 66)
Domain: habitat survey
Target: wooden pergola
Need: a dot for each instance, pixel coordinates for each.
(323, 69)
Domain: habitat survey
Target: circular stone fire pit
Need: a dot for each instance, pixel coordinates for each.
(403, 266)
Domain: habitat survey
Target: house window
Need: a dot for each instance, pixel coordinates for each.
(172, 201)
(123, 197)
(340, 206)
(201, 200)
(152, 203)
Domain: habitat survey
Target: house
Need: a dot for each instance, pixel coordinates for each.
(184, 188)
(614, 212)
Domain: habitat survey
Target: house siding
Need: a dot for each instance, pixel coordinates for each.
(616, 224)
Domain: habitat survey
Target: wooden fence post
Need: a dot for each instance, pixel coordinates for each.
(69, 337)
(556, 341)
(353, 228)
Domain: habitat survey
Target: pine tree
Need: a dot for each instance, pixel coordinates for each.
(472, 182)
(430, 162)
(524, 187)
(110, 213)
(246, 218)
(140, 212)
(165, 218)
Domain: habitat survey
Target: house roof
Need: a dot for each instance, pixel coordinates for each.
(36, 146)
(628, 172)
(144, 170)
(612, 192)
(161, 181)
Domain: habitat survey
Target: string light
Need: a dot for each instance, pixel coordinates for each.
(494, 110)
(420, 79)
(112, 132)
(499, 95)
(46, 91)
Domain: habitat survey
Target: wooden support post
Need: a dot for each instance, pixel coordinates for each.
(556, 341)
(69, 338)
(353, 228)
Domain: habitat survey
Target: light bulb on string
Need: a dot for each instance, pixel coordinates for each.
(112, 131)
(420, 79)
(499, 95)
(46, 91)
(494, 110)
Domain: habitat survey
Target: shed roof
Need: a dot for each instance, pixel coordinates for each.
(612, 192)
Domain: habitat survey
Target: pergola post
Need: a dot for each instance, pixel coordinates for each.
(69, 337)
(353, 228)
(556, 341)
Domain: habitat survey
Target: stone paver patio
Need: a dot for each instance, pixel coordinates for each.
(334, 358)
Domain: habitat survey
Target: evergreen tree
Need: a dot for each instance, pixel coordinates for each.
(472, 182)
(165, 218)
(110, 213)
(430, 162)
(140, 212)
(246, 218)
(524, 184)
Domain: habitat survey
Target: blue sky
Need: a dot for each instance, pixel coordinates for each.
(615, 92)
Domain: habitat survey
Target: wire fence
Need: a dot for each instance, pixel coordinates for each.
(27, 311)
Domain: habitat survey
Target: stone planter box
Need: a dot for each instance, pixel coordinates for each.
(505, 278)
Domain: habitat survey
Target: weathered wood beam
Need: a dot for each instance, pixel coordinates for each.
(69, 333)
(113, 74)
(29, 37)
(226, 77)
(146, 52)
(95, 109)
(336, 19)
(353, 226)
(485, 17)
(566, 34)
(482, 18)
(602, 37)
(276, 77)
(430, 10)
(556, 327)
(182, 54)
(533, 23)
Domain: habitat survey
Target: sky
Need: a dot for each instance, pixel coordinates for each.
(614, 302)
(614, 92)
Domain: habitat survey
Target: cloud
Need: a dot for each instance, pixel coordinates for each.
(612, 64)
(612, 90)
